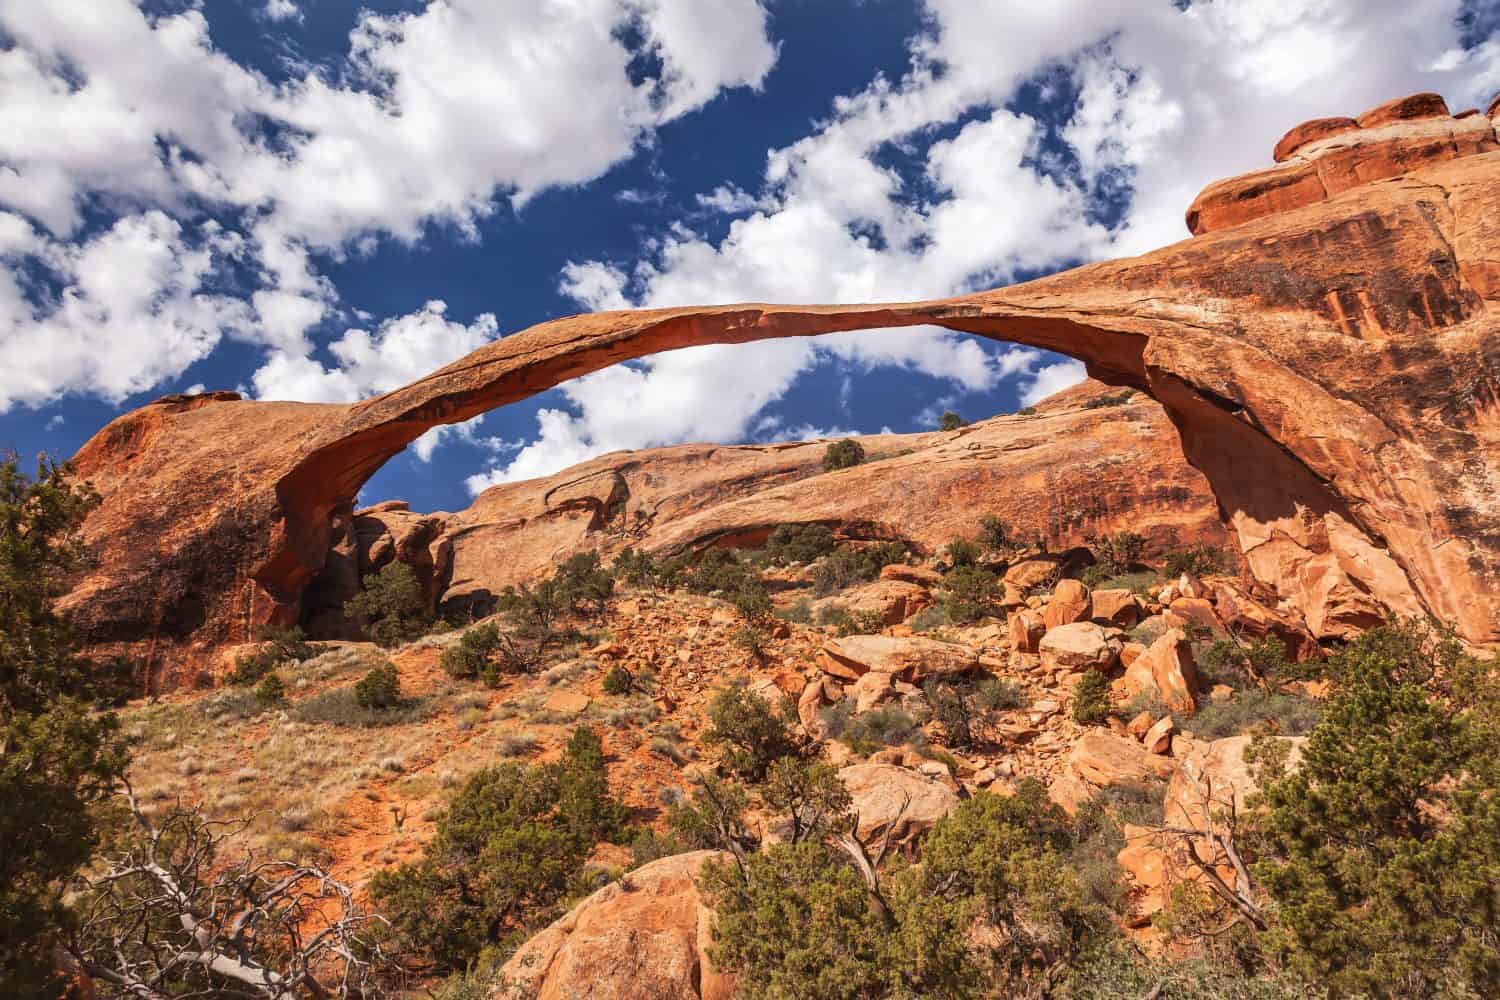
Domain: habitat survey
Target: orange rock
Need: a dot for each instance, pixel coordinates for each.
(1211, 778)
(1026, 631)
(1311, 131)
(1141, 725)
(1104, 759)
(893, 601)
(885, 795)
(1035, 572)
(1194, 610)
(1116, 607)
(870, 690)
(1244, 616)
(646, 935)
(1079, 646)
(1130, 652)
(1070, 603)
(1173, 671)
(1158, 738)
(912, 659)
(1405, 108)
(919, 575)
(1270, 340)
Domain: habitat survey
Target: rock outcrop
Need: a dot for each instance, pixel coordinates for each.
(1327, 347)
(642, 937)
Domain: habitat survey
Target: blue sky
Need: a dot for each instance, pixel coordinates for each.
(320, 200)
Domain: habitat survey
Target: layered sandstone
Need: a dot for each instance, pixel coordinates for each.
(1330, 357)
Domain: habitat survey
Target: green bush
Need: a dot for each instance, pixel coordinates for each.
(850, 564)
(1236, 663)
(1118, 552)
(968, 594)
(380, 688)
(843, 454)
(341, 707)
(1381, 849)
(963, 552)
(951, 421)
(997, 535)
(508, 852)
(1103, 402)
(270, 690)
(60, 758)
(639, 569)
(1255, 710)
(471, 657)
(929, 618)
(723, 572)
(279, 644)
(1091, 699)
(845, 622)
(750, 732)
(798, 544)
(618, 681)
(1196, 560)
(798, 922)
(586, 586)
(391, 607)
(800, 612)
(534, 611)
(886, 726)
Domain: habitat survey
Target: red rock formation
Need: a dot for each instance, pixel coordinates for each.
(1062, 473)
(1333, 368)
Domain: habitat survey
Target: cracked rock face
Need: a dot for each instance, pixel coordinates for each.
(1327, 348)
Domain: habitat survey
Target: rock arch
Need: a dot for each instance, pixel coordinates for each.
(1327, 346)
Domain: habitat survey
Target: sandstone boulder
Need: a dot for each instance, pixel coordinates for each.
(1079, 646)
(911, 658)
(870, 690)
(1174, 673)
(1026, 630)
(885, 795)
(1070, 603)
(1158, 739)
(1185, 611)
(641, 938)
(1114, 606)
(1213, 776)
(891, 601)
(1104, 759)
(1034, 572)
(919, 575)
(1243, 616)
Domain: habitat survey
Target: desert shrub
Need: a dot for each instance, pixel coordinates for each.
(534, 611)
(270, 690)
(618, 681)
(1380, 848)
(639, 569)
(800, 612)
(1255, 710)
(1108, 400)
(886, 726)
(380, 688)
(723, 572)
(1093, 576)
(750, 732)
(390, 606)
(470, 657)
(965, 706)
(750, 639)
(846, 622)
(341, 707)
(809, 794)
(1196, 560)
(1026, 411)
(951, 421)
(843, 454)
(1118, 552)
(963, 552)
(851, 564)
(711, 817)
(1136, 803)
(585, 584)
(798, 544)
(1114, 969)
(968, 594)
(507, 853)
(1091, 699)
(929, 618)
(996, 534)
(797, 922)
(1227, 661)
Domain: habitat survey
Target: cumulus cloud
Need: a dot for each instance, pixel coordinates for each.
(1161, 98)
(433, 117)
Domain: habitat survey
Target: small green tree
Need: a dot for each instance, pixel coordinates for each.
(799, 544)
(1118, 552)
(996, 534)
(951, 421)
(843, 454)
(391, 606)
(585, 584)
(1091, 699)
(271, 689)
(752, 735)
(618, 681)
(810, 794)
(969, 593)
(380, 688)
(1381, 849)
(57, 758)
(963, 552)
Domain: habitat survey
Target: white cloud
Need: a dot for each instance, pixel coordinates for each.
(1049, 379)
(131, 311)
(400, 351)
(435, 116)
(1168, 100)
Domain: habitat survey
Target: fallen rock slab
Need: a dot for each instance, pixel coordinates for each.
(911, 658)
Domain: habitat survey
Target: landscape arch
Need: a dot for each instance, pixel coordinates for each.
(1332, 370)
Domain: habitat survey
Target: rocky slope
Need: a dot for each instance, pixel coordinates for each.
(1069, 469)
(1327, 347)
